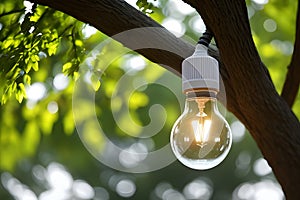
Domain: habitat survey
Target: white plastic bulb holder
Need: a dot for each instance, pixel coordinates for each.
(200, 71)
(200, 138)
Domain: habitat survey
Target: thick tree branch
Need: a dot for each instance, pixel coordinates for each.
(268, 117)
(292, 80)
(115, 16)
(250, 93)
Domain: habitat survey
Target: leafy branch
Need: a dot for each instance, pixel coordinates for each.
(145, 6)
(23, 43)
(78, 52)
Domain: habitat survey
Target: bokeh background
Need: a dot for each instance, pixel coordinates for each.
(41, 154)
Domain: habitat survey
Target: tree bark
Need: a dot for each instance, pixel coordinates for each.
(268, 117)
(292, 80)
(251, 95)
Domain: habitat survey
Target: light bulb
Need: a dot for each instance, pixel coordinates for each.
(201, 138)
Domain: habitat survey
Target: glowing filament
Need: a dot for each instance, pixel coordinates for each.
(201, 130)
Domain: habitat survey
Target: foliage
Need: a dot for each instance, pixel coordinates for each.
(39, 47)
(145, 6)
(29, 36)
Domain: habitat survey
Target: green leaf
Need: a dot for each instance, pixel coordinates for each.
(95, 82)
(34, 18)
(35, 66)
(145, 6)
(14, 87)
(28, 67)
(19, 96)
(8, 42)
(35, 58)
(4, 98)
(21, 93)
(52, 47)
(66, 67)
(79, 43)
(22, 88)
(27, 79)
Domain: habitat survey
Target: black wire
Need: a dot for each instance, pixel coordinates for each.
(206, 38)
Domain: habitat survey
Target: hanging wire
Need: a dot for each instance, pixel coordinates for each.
(206, 38)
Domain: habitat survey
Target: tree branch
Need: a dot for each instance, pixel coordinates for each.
(292, 80)
(267, 116)
(250, 93)
(116, 16)
(12, 12)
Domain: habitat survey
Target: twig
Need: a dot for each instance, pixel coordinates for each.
(12, 12)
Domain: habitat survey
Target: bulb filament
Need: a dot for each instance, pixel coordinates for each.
(201, 127)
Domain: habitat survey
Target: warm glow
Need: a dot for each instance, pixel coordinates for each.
(201, 130)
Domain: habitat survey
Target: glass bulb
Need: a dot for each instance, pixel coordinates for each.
(201, 138)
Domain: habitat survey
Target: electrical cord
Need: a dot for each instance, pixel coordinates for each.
(206, 38)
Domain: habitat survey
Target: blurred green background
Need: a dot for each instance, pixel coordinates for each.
(41, 154)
